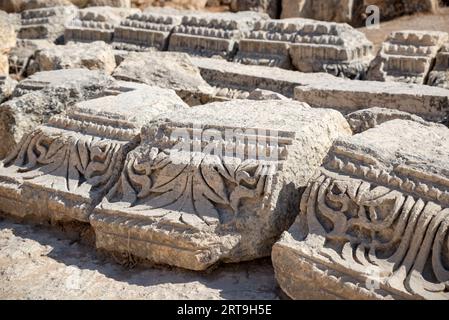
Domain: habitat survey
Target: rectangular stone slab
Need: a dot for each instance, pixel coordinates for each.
(374, 224)
(179, 203)
(62, 169)
(431, 103)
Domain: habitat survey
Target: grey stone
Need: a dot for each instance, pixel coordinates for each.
(111, 3)
(93, 56)
(62, 169)
(193, 208)
(21, 57)
(170, 70)
(439, 76)
(374, 223)
(259, 94)
(430, 103)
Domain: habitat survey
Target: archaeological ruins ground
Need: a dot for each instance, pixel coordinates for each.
(293, 149)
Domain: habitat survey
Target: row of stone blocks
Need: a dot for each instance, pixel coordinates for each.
(191, 187)
(246, 37)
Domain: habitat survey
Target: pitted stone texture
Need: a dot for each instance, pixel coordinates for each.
(96, 24)
(43, 95)
(366, 119)
(271, 7)
(93, 56)
(46, 23)
(233, 80)
(407, 56)
(212, 35)
(192, 208)
(334, 48)
(430, 103)
(375, 223)
(8, 32)
(7, 86)
(62, 169)
(439, 76)
(147, 30)
(110, 3)
(172, 70)
(268, 44)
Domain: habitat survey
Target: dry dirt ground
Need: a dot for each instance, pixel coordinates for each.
(435, 22)
(41, 263)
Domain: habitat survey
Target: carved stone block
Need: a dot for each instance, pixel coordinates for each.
(334, 48)
(62, 169)
(212, 34)
(374, 224)
(96, 24)
(431, 103)
(46, 23)
(440, 74)
(214, 183)
(407, 56)
(268, 44)
(147, 30)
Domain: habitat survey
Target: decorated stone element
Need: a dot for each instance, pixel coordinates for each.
(172, 70)
(374, 223)
(268, 44)
(212, 34)
(96, 24)
(43, 95)
(46, 23)
(334, 48)
(146, 31)
(62, 169)
(431, 103)
(440, 74)
(93, 56)
(407, 56)
(214, 183)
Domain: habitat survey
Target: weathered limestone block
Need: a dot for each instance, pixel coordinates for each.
(96, 24)
(172, 70)
(375, 223)
(21, 57)
(334, 48)
(440, 74)
(430, 103)
(93, 56)
(46, 23)
(62, 169)
(268, 44)
(43, 95)
(4, 65)
(233, 80)
(7, 86)
(407, 56)
(271, 7)
(365, 119)
(181, 203)
(142, 31)
(8, 32)
(259, 94)
(212, 34)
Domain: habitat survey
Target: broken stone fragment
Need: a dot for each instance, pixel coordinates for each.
(7, 86)
(430, 103)
(46, 23)
(43, 95)
(93, 56)
(212, 34)
(21, 57)
(439, 76)
(374, 223)
(270, 7)
(259, 94)
(407, 56)
(62, 169)
(172, 70)
(8, 32)
(214, 183)
(365, 119)
(96, 24)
